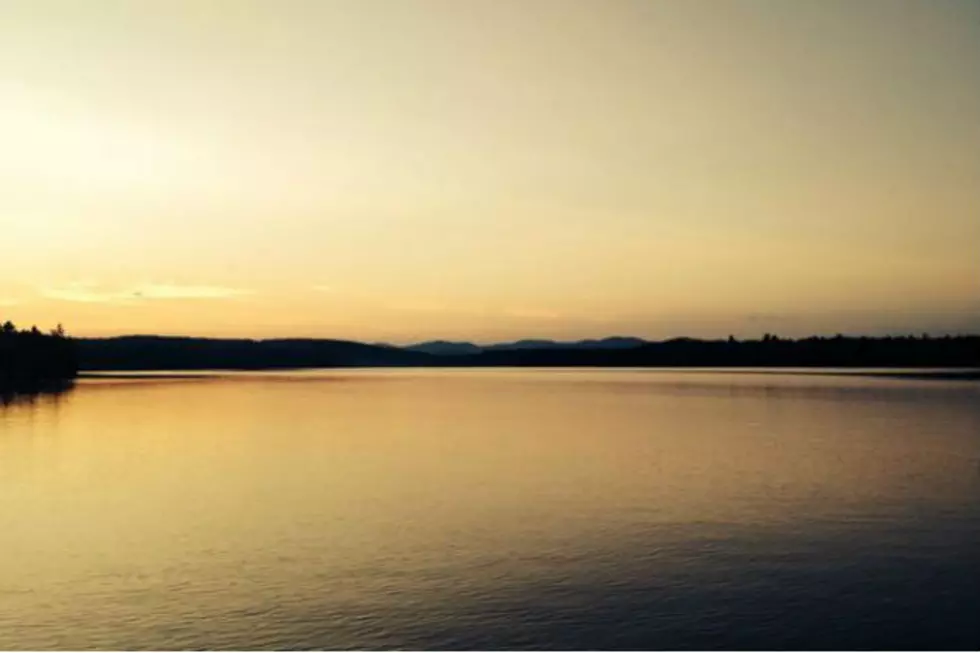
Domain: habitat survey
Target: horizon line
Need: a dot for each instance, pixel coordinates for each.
(919, 335)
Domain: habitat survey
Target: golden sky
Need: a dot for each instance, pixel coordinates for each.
(402, 170)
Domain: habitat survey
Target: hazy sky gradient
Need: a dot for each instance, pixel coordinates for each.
(402, 170)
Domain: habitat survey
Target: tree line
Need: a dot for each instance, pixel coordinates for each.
(769, 351)
(32, 360)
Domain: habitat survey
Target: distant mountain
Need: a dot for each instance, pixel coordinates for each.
(445, 348)
(524, 344)
(449, 348)
(614, 342)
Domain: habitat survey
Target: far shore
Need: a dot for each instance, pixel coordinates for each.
(924, 374)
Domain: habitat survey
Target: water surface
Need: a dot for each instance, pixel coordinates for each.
(563, 509)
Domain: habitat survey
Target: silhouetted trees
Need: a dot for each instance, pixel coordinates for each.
(31, 360)
(770, 351)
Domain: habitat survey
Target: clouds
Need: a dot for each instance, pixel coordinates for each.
(91, 292)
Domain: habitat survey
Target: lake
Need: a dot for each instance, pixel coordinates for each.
(493, 509)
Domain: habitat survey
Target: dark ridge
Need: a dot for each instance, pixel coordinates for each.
(176, 353)
(770, 351)
(183, 353)
(445, 348)
(613, 342)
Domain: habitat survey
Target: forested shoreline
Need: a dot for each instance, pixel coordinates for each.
(177, 353)
(33, 361)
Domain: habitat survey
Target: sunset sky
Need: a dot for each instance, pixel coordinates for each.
(404, 170)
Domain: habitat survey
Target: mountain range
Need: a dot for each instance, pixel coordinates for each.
(448, 348)
(176, 353)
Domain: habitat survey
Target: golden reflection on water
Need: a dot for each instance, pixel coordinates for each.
(204, 485)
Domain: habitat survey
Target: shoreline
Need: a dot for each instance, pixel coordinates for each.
(925, 374)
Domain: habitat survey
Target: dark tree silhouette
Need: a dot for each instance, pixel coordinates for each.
(32, 361)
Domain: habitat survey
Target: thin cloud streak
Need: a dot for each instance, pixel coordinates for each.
(89, 292)
(171, 291)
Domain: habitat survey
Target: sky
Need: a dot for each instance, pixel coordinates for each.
(405, 170)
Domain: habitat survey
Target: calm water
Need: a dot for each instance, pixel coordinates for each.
(492, 509)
